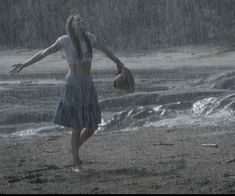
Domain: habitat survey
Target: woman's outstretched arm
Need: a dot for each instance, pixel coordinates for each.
(109, 54)
(37, 57)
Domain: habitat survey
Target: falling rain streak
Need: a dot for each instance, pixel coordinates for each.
(178, 50)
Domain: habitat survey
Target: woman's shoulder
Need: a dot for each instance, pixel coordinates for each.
(63, 40)
(91, 36)
(63, 37)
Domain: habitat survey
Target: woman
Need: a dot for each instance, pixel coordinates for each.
(78, 107)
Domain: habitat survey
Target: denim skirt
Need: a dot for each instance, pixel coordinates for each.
(78, 104)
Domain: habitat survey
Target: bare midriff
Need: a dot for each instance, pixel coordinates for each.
(82, 69)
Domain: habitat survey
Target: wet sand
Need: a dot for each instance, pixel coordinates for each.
(153, 160)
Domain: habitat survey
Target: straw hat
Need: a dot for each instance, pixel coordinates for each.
(124, 81)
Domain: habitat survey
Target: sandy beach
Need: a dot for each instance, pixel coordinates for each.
(153, 141)
(145, 161)
(175, 134)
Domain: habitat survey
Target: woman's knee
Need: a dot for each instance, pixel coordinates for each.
(77, 131)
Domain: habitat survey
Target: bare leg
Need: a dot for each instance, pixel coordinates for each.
(86, 134)
(75, 141)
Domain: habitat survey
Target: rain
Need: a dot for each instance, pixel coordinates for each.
(180, 52)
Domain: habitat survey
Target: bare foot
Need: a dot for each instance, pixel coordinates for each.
(77, 169)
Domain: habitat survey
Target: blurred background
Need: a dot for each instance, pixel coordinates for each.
(121, 24)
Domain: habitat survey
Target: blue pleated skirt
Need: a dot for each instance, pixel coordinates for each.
(78, 104)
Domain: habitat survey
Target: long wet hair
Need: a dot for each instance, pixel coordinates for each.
(75, 40)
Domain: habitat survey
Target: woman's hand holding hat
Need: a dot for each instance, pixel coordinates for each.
(120, 67)
(124, 79)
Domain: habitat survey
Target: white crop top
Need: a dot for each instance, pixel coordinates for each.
(69, 50)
